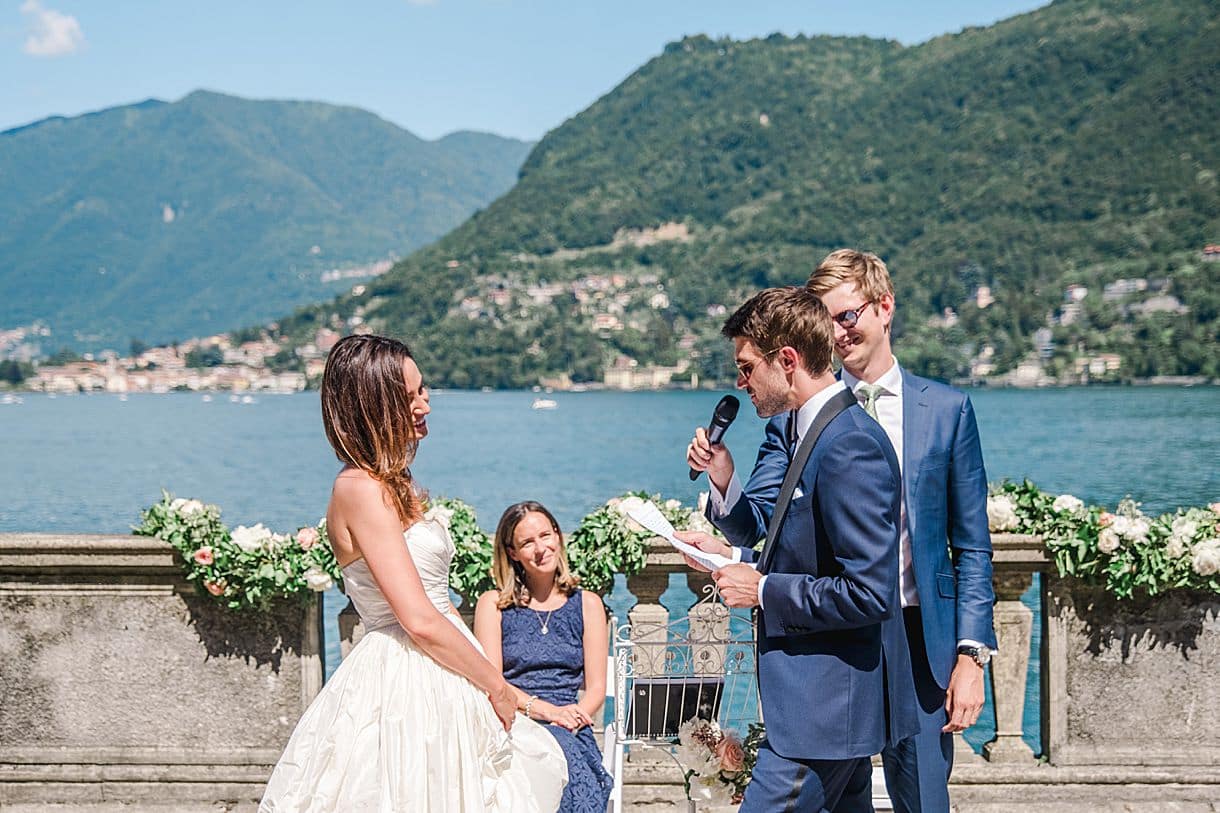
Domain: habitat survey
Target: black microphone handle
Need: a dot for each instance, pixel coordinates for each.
(714, 433)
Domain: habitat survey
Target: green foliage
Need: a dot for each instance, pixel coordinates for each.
(1023, 156)
(64, 355)
(470, 572)
(197, 216)
(1126, 551)
(205, 356)
(12, 372)
(247, 568)
(608, 542)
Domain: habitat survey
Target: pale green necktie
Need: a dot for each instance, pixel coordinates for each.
(867, 394)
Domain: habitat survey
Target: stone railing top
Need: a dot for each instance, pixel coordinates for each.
(84, 553)
(1018, 553)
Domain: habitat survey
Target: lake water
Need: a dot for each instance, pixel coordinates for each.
(89, 463)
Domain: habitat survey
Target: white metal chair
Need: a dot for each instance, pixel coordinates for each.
(662, 675)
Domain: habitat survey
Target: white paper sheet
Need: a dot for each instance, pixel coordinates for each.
(651, 518)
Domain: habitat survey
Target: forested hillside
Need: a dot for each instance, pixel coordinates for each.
(165, 220)
(1074, 145)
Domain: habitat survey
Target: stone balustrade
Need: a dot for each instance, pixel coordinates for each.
(122, 688)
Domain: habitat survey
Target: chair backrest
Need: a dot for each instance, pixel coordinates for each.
(612, 747)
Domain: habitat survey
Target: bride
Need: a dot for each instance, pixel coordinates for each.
(415, 718)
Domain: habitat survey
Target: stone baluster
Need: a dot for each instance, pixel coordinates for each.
(1016, 559)
(648, 617)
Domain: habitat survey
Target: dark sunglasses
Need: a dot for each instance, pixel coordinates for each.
(849, 318)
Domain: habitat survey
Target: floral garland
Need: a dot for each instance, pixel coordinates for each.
(608, 541)
(1125, 550)
(716, 764)
(248, 567)
(245, 568)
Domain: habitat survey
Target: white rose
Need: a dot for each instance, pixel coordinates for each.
(673, 505)
(318, 579)
(1121, 525)
(252, 539)
(1185, 528)
(1107, 540)
(1175, 547)
(1066, 503)
(186, 507)
(697, 522)
(1206, 559)
(629, 505)
(1214, 508)
(1140, 526)
(1001, 513)
(439, 513)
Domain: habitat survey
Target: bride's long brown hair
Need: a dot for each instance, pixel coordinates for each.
(366, 411)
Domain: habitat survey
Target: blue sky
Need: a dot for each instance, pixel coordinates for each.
(432, 66)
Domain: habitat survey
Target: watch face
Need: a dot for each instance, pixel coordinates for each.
(983, 655)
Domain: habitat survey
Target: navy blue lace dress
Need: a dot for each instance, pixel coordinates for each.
(552, 666)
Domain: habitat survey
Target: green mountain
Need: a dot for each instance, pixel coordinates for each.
(162, 221)
(1072, 145)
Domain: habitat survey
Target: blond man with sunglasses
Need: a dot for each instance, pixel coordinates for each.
(945, 568)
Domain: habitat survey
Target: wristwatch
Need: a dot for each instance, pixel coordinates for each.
(979, 654)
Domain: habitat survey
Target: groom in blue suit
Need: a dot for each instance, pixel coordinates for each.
(834, 679)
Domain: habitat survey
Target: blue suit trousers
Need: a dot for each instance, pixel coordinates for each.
(808, 785)
(917, 768)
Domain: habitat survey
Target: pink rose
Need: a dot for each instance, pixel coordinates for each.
(215, 588)
(204, 556)
(731, 755)
(307, 538)
(1106, 519)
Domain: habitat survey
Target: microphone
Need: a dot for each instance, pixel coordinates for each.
(723, 415)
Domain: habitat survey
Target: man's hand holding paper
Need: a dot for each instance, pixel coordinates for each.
(651, 518)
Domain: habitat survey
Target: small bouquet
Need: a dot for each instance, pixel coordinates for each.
(716, 764)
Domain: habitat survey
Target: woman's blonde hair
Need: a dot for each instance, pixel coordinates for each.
(366, 411)
(509, 574)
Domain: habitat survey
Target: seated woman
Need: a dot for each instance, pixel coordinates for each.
(549, 638)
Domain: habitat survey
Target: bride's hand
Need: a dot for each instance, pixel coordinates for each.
(504, 703)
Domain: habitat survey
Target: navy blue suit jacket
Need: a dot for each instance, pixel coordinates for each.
(831, 598)
(945, 485)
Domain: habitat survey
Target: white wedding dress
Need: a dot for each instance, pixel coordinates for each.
(393, 730)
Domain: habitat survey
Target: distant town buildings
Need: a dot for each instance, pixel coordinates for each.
(627, 374)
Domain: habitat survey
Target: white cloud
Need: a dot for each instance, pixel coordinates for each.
(52, 33)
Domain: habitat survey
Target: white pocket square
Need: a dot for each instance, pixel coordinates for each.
(797, 493)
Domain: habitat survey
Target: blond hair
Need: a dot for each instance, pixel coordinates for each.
(509, 574)
(861, 268)
(366, 412)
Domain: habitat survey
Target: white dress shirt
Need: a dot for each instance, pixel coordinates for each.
(889, 415)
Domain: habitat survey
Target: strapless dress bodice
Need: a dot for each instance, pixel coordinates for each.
(431, 550)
